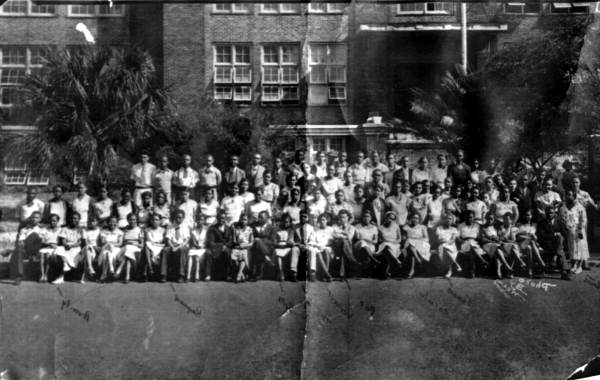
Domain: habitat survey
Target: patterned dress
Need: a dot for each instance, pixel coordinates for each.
(418, 238)
(131, 236)
(575, 221)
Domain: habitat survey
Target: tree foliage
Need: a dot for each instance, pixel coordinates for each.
(94, 107)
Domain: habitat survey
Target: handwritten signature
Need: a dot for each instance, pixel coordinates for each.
(66, 304)
(194, 311)
(516, 288)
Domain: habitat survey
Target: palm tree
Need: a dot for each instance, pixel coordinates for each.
(94, 105)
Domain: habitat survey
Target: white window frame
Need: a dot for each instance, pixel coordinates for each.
(280, 66)
(522, 8)
(233, 8)
(280, 9)
(326, 65)
(96, 12)
(327, 145)
(234, 82)
(330, 8)
(570, 6)
(27, 66)
(29, 11)
(399, 10)
(13, 169)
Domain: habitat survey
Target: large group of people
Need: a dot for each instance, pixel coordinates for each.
(328, 220)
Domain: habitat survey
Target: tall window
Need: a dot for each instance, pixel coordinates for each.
(231, 8)
(277, 8)
(104, 10)
(280, 73)
(25, 8)
(425, 8)
(326, 7)
(232, 73)
(15, 63)
(327, 79)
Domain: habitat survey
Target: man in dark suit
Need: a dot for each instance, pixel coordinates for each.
(550, 233)
(459, 171)
(219, 239)
(233, 175)
(255, 173)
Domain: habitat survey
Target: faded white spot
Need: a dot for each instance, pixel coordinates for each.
(408, 318)
(150, 328)
(81, 27)
(42, 373)
(36, 317)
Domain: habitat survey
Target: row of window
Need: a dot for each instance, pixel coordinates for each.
(16, 173)
(279, 8)
(28, 8)
(536, 7)
(280, 73)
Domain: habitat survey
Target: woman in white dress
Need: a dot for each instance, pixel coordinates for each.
(133, 242)
(435, 209)
(68, 253)
(584, 198)
(507, 233)
(416, 243)
(322, 244)
(91, 237)
(390, 240)
(421, 172)
(366, 239)
(468, 233)
(447, 235)
(504, 205)
(573, 216)
(154, 245)
(197, 252)
(491, 244)
(284, 242)
(242, 241)
(111, 240)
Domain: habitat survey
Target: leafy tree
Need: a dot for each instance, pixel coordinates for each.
(96, 106)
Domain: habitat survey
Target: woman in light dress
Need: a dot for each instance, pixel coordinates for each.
(123, 208)
(416, 243)
(68, 253)
(584, 198)
(573, 216)
(507, 233)
(154, 245)
(366, 239)
(91, 237)
(242, 241)
(435, 209)
(133, 242)
(447, 235)
(468, 235)
(103, 207)
(527, 240)
(322, 244)
(111, 240)
(390, 241)
(419, 201)
(504, 205)
(197, 252)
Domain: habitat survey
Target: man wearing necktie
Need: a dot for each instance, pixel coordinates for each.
(186, 177)
(234, 175)
(256, 173)
(142, 175)
(304, 237)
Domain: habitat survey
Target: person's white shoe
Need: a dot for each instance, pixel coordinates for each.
(578, 270)
(59, 280)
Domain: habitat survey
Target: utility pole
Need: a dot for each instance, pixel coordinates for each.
(463, 36)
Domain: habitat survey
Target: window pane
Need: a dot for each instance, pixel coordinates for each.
(290, 8)
(513, 8)
(337, 92)
(335, 144)
(271, 74)
(270, 93)
(241, 8)
(9, 95)
(222, 92)
(270, 54)
(242, 93)
(12, 76)
(42, 9)
(318, 74)
(319, 144)
(411, 7)
(242, 74)
(38, 55)
(317, 7)
(223, 74)
(13, 56)
(270, 8)
(318, 53)
(37, 177)
(532, 7)
(336, 54)
(83, 9)
(223, 54)
(290, 93)
(289, 54)
(289, 74)
(14, 7)
(222, 7)
(336, 7)
(337, 74)
(242, 54)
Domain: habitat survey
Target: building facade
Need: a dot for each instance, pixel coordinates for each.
(329, 73)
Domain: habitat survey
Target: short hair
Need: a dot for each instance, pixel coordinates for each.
(180, 212)
(147, 194)
(345, 212)
(56, 187)
(52, 216)
(132, 215)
